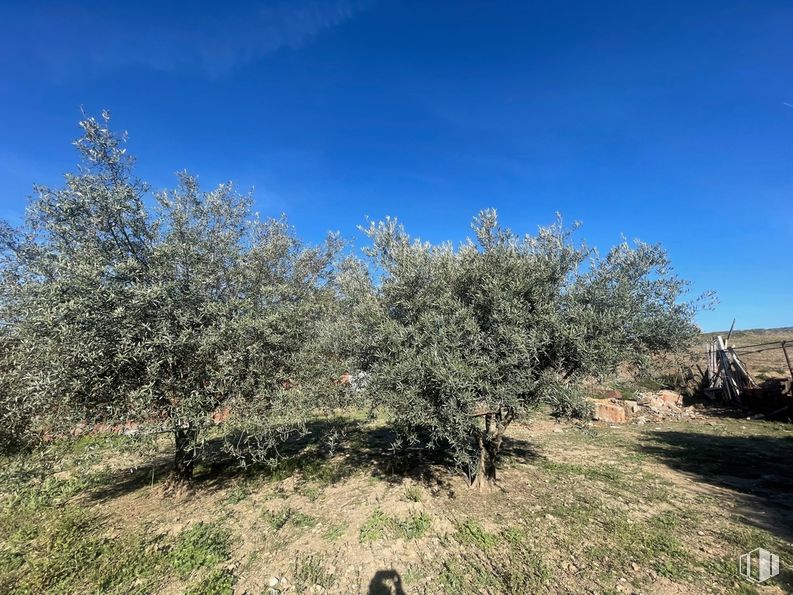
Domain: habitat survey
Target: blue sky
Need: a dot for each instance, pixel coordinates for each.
(671, 122)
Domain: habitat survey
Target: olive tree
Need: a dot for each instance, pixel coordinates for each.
(161, 311)
(458, 342)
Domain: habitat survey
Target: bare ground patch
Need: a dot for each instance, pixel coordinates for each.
(631, 509)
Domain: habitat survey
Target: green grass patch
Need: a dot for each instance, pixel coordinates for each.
(511, 566)
(471, 532)
(594, 472)
(238, 493)
(380, 525)
(64, 551)
(201, 546)
(312, 492)
(311, 570)
(278, 519)
(218, 582)
(335, 531)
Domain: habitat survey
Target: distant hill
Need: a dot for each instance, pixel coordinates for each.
(763, 332)
(761, 364)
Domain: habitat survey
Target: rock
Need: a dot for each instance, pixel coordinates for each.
(670, 397)
(272, 582)
(630, 406)
(608, 411)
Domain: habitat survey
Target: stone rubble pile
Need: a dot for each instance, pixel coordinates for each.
(648, 406)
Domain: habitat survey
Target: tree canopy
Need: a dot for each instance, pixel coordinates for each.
(166, 310)
(121, 307)
(460, 341)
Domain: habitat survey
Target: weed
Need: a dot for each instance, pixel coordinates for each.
(599, 472)
(412, 575)
(521, 570)
(379, 525)
(471, 532)
(63, 551)
(311, 467)
(237, 494)
(202, 545)
(300, 519)
(467, 575)
(278, 519)
(452, 578)
(415, 526)
(279, 493)
(334, 532)
(219, 582)
(311, 492)
(308, 571)
(414, 493)
(375, 527)
(510, 564)
(513, 535)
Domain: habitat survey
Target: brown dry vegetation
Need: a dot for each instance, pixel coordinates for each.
(642, 509)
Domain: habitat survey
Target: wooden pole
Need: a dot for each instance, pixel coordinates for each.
(730, 386)
(747, 378)
(787, 359)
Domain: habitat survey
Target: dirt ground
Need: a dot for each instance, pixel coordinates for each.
(663, 508)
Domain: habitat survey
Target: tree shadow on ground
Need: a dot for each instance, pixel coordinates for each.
(762, 408)
(329, 450)
(516, 448)
(757, 469)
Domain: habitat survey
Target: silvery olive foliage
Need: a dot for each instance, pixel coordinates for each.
(459, 341)
(161, 311)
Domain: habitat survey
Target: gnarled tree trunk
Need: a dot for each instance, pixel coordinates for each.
(489, 441)
(184, 456)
